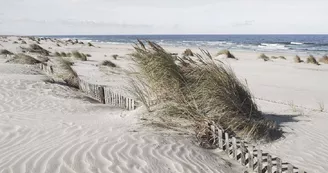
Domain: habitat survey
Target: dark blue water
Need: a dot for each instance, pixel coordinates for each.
(297, 43)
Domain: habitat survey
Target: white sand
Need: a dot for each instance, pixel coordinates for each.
(49, 128)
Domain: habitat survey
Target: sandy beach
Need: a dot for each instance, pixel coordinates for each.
(47, 127)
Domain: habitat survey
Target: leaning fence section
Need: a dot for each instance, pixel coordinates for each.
(250, 156)
(101, 93)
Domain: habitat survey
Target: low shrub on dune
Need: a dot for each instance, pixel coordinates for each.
(23, 59)
(324, 59)
(108, 63)
(205, 91)
(264, 57)
(80, 56)
(67, 73)
(227, 53)
(188, 52)
(312, 60)
(297, 59)
(5, 52)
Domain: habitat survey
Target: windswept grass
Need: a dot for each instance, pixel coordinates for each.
(34, 48)
(90, 44)
(23, 59)
(297, 59)
(324, 59)
(108, 63)
(67, 73)
(311, 60)
(5, 52)
(80, 56)
(57, 54)
(226, 52)
(207, 91)
(264, 57)
(188, 52)
(115, 56)
(63, 54)
(23, 42)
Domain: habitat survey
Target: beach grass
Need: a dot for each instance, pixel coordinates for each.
(23, 59)
(227, 53)
(311, 60)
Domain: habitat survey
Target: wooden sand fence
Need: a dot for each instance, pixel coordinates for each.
(101, 93)
(250, 156)
(246, 154)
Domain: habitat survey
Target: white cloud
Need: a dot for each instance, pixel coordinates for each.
(162, 17)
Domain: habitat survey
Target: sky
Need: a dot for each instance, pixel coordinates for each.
(100, 17)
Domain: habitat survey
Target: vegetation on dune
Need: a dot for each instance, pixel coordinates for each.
(23, 59)
(80, 56)
(34, 48)
(205, 91)
(90, 44)
(5, 52)
(67, 73)
(264, 57)
(88, 55)
(297, 59)
(115, 56)
(108, 63)
(15, 42)
(188, 52)
(63, 54)
(227, 53)
(58, 45)
(274, 57)
(312, 60)
(282, 57)
(324, 59)
(24, 42)
(57, 54)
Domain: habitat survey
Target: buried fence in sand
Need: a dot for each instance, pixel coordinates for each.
(101, 93)
(246, 154)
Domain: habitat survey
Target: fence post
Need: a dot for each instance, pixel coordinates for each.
(102, 94)
(133, 104)
(250, 157)
(220, 138)
(242, 153)
(290, 168)
(234, 148)
(269, 166)
(227, 143)
(259, 160)
(279, 165)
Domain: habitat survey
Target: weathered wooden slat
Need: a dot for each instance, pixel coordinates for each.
(227, 149)
(279, 165)
(220, 138)
(234, 148)
(259, 160)
(250, 149)
(269, 165)
(102, 94)
(290, 168)
(242, 153)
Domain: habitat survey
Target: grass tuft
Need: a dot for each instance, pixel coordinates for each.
(108, 63)
(80, 56)
(34, 48)
(63, 54)
(188, 52)
(5, 52)
(90, 44)
(24, 42)
(264, 57)
(23, 59)
(297, 59)
(115, 56)
(324, 59)
(67, 73)
(312, 60)
(226, 52)
(282, 57)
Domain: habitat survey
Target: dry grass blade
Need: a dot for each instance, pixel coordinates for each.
(312, 60)
(23, 59)
(227, 53)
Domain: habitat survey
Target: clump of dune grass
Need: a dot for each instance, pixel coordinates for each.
(297, 59)
(63, 54)
(188, 52)
(87, 55)
(115, 56)
(23, 42)
(57, 54)
(90, 44)
(5, 52)
(67, 74)
(264, 57)
(108, 63)
(58, 45)
(282, 57)
(312, 60)
(15, 42)
(80, 56)
(69, 54)
(34, 48)
(42, 59)
(23, 59)
(227, 53)
(81, 42)
(274, 57)
(324, 59)
(207, 90)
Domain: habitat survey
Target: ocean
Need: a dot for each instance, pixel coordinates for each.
(317, 44)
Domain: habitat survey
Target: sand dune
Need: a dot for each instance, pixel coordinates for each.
(47, 127)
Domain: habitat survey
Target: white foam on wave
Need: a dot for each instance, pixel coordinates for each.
(274, 46)
(296, 43)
